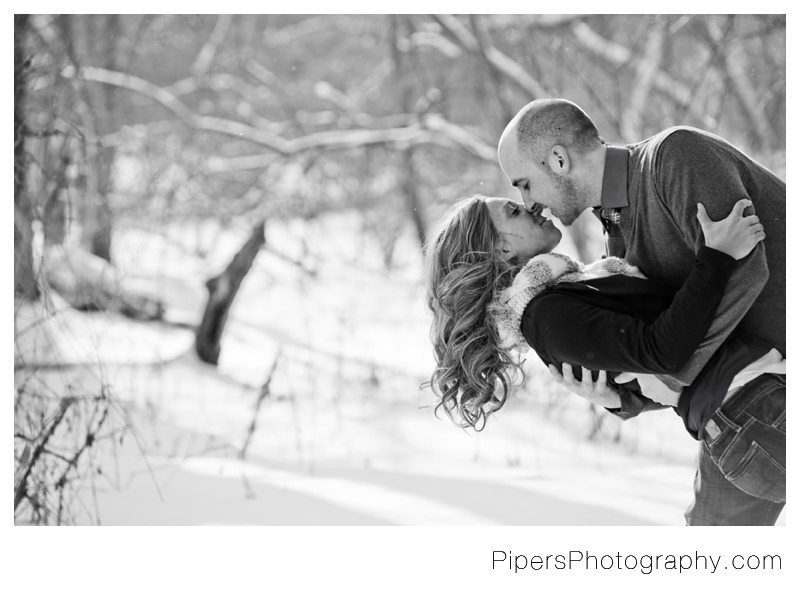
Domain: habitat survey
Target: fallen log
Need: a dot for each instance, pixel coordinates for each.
(88, 282)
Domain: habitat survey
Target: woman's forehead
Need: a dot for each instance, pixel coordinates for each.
(499, 205)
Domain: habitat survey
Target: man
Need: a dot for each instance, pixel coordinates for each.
(647, 196)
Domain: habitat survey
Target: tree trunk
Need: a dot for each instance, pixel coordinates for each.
(222, 289)
(54, 210)
(409, 184)
(97, 223)
(24, 278)
(414, 201)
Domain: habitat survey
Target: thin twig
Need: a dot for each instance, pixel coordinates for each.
(91, 437)
(265, 391)
(20, 491)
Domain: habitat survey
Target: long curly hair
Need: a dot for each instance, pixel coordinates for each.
(464, 270)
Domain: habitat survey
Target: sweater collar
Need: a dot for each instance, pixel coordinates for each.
(614, 193)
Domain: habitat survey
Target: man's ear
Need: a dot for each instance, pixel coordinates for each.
(558, 160)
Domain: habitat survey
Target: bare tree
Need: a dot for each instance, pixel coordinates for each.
(735, 61)
(222, 290)
(97, 216)
(646, 69)
(25, 284)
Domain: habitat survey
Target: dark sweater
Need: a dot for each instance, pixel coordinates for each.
(667, 175)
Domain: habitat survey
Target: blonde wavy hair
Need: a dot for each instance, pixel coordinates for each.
(463, 269)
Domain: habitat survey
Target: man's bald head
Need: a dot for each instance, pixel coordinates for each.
(552, 154)
(544, 123)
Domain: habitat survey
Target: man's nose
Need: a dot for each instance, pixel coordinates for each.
(527, 200)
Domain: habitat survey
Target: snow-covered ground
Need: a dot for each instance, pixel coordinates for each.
(345, 436)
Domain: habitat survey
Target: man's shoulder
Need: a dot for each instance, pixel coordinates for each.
(679, 138)
(677, 147)
(674, 141)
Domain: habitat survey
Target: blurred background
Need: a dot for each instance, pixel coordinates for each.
(218, 226)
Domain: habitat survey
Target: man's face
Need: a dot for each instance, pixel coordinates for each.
(539, 186)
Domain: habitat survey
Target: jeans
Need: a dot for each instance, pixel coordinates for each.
(741, 478)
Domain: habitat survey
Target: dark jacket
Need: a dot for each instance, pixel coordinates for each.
(627, 324)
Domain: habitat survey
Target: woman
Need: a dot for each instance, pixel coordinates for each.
(495, 288)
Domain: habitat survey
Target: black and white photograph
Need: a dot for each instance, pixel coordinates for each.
(401, 270)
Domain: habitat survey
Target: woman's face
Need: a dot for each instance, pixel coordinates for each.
(524, 234)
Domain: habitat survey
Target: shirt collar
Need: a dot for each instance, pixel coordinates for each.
(615, 179)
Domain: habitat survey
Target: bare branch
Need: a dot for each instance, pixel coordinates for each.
(434, 40)
(504, 64)
(439, 133)
(20, 490)
(734, 61)
(134, 83)
(646, 69)
(462, 137)
(209, 50)
(247, 92)
(484, 45)
(263, 394)
(619, 56)
(516, 73)
(553, 21)
(258, 71)
(91, 438)
(458, 30)
(313, 25)
(215, 164)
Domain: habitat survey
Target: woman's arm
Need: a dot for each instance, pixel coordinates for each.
(565, 327)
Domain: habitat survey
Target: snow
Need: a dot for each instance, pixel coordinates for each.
(345, 436)
(376, 476)
(69, 337)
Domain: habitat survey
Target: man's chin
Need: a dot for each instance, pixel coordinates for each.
(567, 220)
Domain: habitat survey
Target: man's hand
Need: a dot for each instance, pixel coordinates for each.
(598, 392)
(652, 388)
